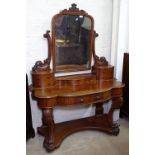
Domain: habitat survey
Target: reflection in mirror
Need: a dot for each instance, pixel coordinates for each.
(72, 42)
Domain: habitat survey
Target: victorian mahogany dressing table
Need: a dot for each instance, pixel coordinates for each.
(71, 48)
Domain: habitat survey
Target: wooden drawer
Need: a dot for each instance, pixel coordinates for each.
(41, 80)
(84, 99)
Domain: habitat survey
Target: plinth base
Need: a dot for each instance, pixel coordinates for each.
(64, 129)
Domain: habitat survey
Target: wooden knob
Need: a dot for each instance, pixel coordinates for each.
(81, 100)
(97, 97)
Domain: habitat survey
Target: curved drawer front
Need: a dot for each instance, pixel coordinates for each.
(84, 99)
(47, 102)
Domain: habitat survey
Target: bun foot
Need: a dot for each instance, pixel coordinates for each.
(49, 147)
(115, 129)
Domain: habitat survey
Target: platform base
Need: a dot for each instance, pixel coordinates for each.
(64, 129)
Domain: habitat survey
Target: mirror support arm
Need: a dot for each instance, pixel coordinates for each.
(45, 65)
(99, 61)
(49, 41)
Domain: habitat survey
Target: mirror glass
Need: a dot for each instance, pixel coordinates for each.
(72, 43)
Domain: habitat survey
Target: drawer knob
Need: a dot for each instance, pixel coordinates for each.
(97, 97)
(81, 100)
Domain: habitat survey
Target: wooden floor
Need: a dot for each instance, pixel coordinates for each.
(86, 143)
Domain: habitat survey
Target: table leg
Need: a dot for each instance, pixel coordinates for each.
(49, 123)
(99, 109)
(116, 104)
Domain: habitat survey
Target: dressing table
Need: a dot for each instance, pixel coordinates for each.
(71, 48)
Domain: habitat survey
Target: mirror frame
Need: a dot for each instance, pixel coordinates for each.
(73, 10)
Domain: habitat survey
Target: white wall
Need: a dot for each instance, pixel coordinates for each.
(123, 37)
(115, 28)
(39, 14)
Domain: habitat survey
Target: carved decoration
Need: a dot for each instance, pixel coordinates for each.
(116, 104)
(42, 66)
(45, 65)
(100, 61)
(73, 8)
(49, 122)
(54, 95)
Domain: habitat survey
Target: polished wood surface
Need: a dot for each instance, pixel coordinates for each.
(75, 90)
(97, 88)
(64, 129)
(55, 133)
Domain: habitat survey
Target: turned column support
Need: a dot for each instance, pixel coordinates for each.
(48, 121)
(116, 104)
(99, 109)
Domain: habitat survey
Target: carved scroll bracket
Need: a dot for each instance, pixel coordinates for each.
(41, 66)
(100, 61)
(45, 65)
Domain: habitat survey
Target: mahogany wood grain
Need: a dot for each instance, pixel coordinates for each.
(42, 79)
(62, 130)
(96, 88)
(73, 90)
(49, 122)
(99, 109)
